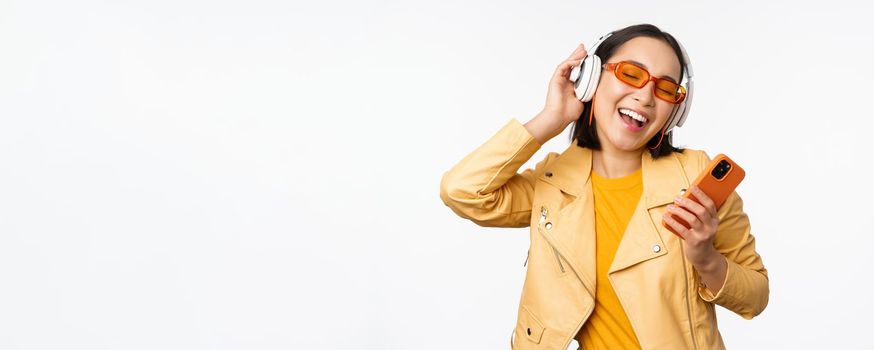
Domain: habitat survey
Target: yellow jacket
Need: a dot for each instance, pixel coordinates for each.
(658, 288)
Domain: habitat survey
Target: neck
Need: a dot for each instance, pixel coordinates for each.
(611, 163)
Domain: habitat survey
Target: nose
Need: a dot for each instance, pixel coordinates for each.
(645, 95)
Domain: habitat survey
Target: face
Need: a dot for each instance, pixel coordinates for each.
(617, 130)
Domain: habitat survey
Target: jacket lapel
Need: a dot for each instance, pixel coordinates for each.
(662, 181)
(570, 172)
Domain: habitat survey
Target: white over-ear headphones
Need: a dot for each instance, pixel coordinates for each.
(586, 76)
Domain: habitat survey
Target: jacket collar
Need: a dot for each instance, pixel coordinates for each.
(570, 172)
(662, 178)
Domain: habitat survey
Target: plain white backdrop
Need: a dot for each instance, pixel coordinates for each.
(265, 174)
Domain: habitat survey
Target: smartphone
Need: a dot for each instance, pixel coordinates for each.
(718, 181)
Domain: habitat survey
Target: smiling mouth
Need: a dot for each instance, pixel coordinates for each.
(632, 118)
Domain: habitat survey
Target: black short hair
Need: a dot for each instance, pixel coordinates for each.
(586, 135)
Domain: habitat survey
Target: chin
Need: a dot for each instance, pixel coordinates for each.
(627, 143)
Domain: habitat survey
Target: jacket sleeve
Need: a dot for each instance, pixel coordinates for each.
(745, 290)
(484, 186)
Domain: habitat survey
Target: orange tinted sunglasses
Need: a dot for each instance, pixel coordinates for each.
(638, 77)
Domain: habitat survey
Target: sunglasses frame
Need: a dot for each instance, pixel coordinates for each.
(615, 68)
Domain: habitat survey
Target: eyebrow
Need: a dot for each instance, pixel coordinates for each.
(644, 67)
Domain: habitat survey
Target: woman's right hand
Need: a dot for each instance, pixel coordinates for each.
(560, 98)
(562, 105)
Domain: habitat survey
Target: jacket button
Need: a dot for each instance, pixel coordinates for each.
(656, 248)
(529, 331)
(548, 225)
(548, 174)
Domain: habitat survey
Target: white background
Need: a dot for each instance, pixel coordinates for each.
(265, 175)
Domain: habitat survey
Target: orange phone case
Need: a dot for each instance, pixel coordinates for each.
(717, 189)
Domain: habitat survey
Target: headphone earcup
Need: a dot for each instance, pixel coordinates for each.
(590, 74)
(687, 103)
(682, 110)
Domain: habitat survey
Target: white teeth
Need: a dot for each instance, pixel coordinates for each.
(632, 114)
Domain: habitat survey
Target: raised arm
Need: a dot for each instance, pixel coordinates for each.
(485, 186)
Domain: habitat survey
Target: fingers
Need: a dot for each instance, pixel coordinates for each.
(564, 69)
(683, 214)
(705, 200)
(700, 212)
(675, 225)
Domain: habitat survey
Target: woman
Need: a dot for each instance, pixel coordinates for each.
(602, 268)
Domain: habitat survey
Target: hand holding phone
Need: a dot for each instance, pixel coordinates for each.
(717, 181)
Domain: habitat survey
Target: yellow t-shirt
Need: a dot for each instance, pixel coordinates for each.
(615, 200)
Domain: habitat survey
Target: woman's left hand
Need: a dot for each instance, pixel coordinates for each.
(703, 222)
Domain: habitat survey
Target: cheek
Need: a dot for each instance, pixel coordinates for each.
(613, 88)
(606, 97)
(663, 112)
